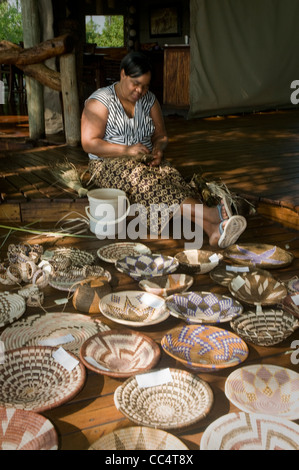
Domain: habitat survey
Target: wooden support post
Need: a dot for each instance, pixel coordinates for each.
(71, 108)
(35, 91)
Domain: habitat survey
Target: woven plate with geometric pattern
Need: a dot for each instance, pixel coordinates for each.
(115, 251)
(26, 430)
(69, 330)
(32, 379)
(12, 307)
(203, 307)
(146, 266)
(167, 285)
(120, 353)
(204, 348)
(265, 328)
(138, 438)
(134, 308)
(224, 273)
(243, 431)
(266, 389)
(257, 289)
(178, 403)
(259, 255)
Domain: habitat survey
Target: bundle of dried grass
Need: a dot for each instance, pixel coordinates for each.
(67, 174)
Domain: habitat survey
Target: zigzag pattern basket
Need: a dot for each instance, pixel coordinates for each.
(26, 430)
(244, 431)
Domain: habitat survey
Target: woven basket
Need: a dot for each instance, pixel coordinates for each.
(257, 289)
(259, 255)
(203, 307)
(26, 430)
(167, 285)
(147, 266)
(31, 379)
(290, 306)
(173, 405)
(138, 438)
(204, 348)
(120, 353)
(88, 294)
(62, 258)
(243, 431)
(198, 261)
(115, 251)
(70, 328)
(12, 307)
(265, 328)
(264, 388)
(224, 273)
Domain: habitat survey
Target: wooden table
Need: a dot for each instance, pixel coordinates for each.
(92, 413)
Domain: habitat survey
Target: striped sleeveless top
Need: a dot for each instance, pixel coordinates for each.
(121, 129)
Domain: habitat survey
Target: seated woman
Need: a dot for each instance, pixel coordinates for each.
(123, 132)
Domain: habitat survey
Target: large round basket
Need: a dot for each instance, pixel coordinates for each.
(257, 289)
(115, 251)
(265, 328)
(265, 388)
(259, 255)
(204, 348)
(244, 431)
(120, 353)
(167, 285)
(69, 330)
(26, 430)
(175, 404)
(31, 379)
(224, 272)
(138, 438)
(147, 266)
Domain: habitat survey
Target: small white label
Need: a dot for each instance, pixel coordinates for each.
(214, 258)
(65, 359)
(55, 341)
(61, 301)
(237, 269)
(295, 299)
(151, 379)
(237, 283)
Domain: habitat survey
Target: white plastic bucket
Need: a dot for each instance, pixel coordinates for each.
(106, 223)
(113, 197)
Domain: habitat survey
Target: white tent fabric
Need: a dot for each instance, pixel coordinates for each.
(244, 55)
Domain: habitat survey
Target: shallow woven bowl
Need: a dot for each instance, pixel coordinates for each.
(172, 405)
(224, 273)
(138, 438)
(115, 251)
(203, 307)
(12, 307)
(26, 430)
(31, 379)
(198, 261)
(204, 348)
(120, 353)
(134, 308)
(147, 266)
(266, 389)
(288, 304)
(244, 431)
(259, 255)
(265, 328)
(167, 285)
(257, 289)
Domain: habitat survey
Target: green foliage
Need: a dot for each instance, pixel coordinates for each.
(11, 28)
(112, 34)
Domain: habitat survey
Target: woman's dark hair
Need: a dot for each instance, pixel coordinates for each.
(135, 64)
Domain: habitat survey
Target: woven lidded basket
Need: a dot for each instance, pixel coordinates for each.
(31, 379)
(26, 430)
(265, 328)
(175, 404)
(138, 438)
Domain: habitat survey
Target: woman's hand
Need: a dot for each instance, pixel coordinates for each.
(136, 150)
(157, 157)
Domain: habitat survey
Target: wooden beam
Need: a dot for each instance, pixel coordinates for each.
(12, 54)
(70, 98)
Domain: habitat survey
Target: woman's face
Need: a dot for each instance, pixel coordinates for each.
(133, 88)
